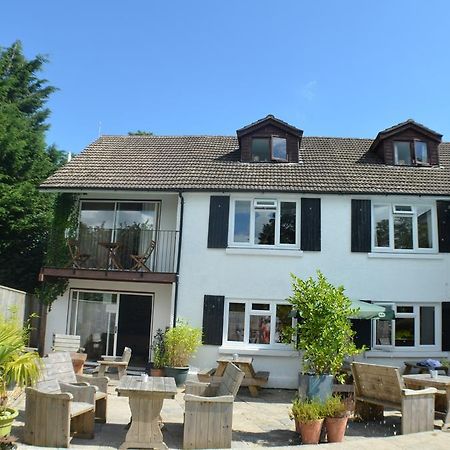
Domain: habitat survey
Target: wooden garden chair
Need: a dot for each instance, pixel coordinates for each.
(78, 259)
(209, 411)
(119, 362)
(141, 260)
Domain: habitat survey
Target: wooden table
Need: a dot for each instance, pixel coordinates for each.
(112, 248)
(442, 382)
(409, 366)
(252, 379)
(146, 400)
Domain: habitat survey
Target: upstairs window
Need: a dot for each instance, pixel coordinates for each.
(269, 149)
(407, 153)
(264, 223)
(403, 228)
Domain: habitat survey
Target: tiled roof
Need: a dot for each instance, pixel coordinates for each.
(337, 165)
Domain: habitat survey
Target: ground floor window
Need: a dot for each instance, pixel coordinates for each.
(255, 322)
(415, 326)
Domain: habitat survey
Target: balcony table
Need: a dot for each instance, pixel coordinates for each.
(442, 382)
(112, 248)
(146, 400)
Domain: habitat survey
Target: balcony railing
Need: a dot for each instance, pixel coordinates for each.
(112, 249)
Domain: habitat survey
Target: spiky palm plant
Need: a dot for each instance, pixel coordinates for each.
(16, 366)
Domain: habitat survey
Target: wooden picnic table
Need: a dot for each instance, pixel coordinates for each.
(253, 380)
(442, 383)
(409, 366)
(146, 400)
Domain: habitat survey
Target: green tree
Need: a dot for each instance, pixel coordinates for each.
(140, 133)
(25, 161)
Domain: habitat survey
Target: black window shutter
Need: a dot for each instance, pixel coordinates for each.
(361, 226)
(310, 224)
(445, 326)
(363, 330)
(219, 207)
(213, 319)
(443, 215)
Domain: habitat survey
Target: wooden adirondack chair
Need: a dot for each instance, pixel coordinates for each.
(209, 411)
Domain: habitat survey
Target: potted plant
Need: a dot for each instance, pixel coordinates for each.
(157, 369)
(336, 416)
(323, 333)
(180, 343)
(17, 367)
(308, 415)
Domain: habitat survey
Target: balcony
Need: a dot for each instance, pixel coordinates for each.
(121, 254)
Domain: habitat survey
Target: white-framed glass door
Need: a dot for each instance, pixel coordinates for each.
(94, 317)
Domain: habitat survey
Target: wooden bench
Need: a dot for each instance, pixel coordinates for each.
(59, 366)
(53, 410)
(119, 362)
(377, 387)
(209, 410)
(66, 343)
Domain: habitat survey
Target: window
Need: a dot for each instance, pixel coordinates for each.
(264, 222)
(403, 228)
(268, 149)
(256, 323)
(407, 153)
(414, 326)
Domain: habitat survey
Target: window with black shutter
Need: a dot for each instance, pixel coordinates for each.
(213, 306)
(443, 215)
(310, 225)
(445, 326)
(219, 207)
(361, 226)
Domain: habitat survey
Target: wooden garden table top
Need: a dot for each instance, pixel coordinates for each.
(154, 385)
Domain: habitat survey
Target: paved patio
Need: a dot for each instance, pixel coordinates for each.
(258, 422)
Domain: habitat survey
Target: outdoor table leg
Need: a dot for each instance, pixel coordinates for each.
(446, 424)
(145, 430)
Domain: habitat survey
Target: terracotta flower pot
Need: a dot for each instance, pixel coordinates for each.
(157, 372)
(310, 431)
(336, 427)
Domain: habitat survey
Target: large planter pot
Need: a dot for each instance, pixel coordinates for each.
(179, 373)
(318, 387)
(309, 431)
(336, 427)
(157, 372)
(6, 422)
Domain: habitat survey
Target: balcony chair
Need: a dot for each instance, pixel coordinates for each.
(78, 259)
(141, 260)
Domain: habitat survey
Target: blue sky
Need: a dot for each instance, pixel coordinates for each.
(347, 68)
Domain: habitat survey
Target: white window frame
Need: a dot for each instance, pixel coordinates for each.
(253, 201)
(416, 316)
(392, 213)
(249, 312)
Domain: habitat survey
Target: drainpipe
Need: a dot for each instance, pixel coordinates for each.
(180, 195)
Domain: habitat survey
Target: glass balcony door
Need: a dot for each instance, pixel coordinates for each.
(94, 317)
(130, 225)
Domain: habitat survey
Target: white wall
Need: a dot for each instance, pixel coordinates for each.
(162, 294)
(249, 276)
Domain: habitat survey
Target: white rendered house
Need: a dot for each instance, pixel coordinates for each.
(232, 217)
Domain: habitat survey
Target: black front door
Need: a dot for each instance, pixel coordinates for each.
(135, 312)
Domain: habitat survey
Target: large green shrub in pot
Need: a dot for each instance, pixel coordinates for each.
(323, 332)
(180, 343)
(17, 367)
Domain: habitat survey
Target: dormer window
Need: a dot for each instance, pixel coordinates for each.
(407, 153)
(269, 149)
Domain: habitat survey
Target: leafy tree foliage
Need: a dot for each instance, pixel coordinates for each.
(140, 133)
(25, 161)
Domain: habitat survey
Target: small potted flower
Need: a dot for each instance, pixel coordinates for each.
(336, 417)
(157, 369)
(308, 415)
